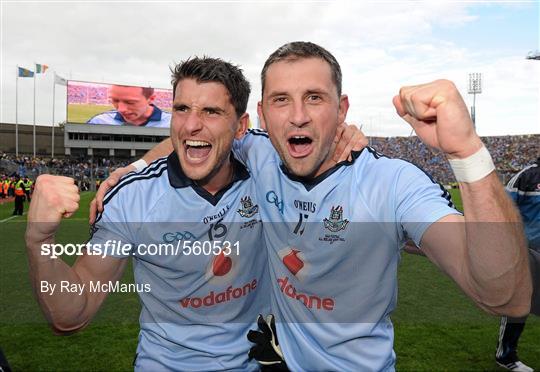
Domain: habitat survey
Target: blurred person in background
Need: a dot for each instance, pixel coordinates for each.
(19, 196)
(27, 182)
(524, 189)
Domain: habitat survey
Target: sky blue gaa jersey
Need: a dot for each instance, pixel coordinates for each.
(334, 245)
(198, 299)
(524, 189)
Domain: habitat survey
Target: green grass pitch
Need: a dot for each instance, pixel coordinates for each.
(436, 327)
(81, 113)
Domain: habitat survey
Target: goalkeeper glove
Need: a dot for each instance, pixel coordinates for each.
(266, 350)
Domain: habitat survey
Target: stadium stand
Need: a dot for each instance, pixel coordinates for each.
(84, 171)
(510, 154)
(87, 94)
(163, 100)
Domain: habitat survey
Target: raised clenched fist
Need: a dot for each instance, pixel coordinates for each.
(439, 116)
(54, 197)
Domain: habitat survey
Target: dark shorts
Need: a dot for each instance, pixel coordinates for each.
(534, 258)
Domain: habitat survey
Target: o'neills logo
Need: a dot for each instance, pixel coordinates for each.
(214, 298)
(310, 301)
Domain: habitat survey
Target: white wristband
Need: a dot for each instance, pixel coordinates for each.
(139, 165)
(473, 168)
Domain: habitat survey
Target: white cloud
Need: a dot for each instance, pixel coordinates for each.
(380, 46)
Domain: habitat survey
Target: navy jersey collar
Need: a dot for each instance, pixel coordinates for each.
(155, 116)
(178, 179)
(310, 182)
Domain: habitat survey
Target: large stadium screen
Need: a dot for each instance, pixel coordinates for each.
(109, 104)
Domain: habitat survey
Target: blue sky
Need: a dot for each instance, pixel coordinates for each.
(497, 27)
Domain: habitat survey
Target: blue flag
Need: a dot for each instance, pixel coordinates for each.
(22, 72)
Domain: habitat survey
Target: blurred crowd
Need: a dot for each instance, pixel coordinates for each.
(86, 172)
(85, 94)
(510, 154)
(163, 99)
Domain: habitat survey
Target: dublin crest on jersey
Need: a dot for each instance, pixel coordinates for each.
(336, 222)
(248, 209)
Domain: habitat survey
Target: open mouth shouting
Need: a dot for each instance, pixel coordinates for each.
(299, 145)
(197, 151)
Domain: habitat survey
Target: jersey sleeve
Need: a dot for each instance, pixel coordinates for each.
(512, 188)
(253, 149)
(524, 189)
(420, 201)
(113, 234)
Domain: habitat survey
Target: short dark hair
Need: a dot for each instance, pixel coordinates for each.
(304, 49)
(216, 70)
(147, 92)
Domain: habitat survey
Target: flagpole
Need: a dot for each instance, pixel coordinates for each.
(54, 101)
(17, 111)
(34, 119)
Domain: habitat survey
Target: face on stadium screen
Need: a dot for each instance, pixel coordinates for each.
(301, 111)
(131, 103)
(89, 102)
(203, 126)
